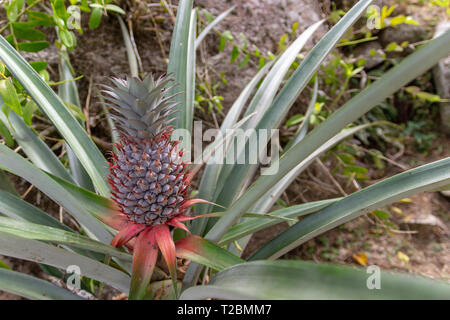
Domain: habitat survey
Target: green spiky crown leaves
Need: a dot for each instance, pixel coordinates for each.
(147, 172)
(143, 109)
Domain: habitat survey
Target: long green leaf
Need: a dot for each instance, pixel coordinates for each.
(206, 253)
(252, 225)
(34, 231)
(210, 174)
(33, 146)
(182, 64)
(93, 203)
(229, 183)
(266, 202)
(18, 209)
(264, 96)
(36, 251)
(85, 149)
(407, 70)
(298, 280)
(32, 288)
(132, 59)
(190, 73)
(6, 184)
(271, 119)
(400, 186)
(303, 128)
(14, 163)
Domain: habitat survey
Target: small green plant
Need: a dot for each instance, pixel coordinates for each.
(207, 98)
(249, 51)
(24, 34)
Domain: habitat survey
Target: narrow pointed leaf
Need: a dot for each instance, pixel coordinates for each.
(14, 163)
(267, 201)
(36, 251)
(400, 186)
(18, 209)
(298, 280)
(206, 253)
(266, 92)
(98, 206)
(132, 59)
(34, 147)
(34, 231)
(260, 104)
(250, 226)
(68, 91)
(211, 173)
(14, 207)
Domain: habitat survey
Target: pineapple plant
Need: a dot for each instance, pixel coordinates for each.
(147, 193)
(148, 177)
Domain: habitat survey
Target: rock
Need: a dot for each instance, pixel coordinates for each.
(446, 193)
(441, 74)
(426, 219)
(364, 50)
(49, 55)
(402, 32)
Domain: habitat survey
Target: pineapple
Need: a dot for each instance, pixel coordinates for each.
(148, 176)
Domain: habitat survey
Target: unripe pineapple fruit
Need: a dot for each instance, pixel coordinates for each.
(148, 178)
(148, 175)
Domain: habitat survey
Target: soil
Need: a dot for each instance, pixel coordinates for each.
(422, 227)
